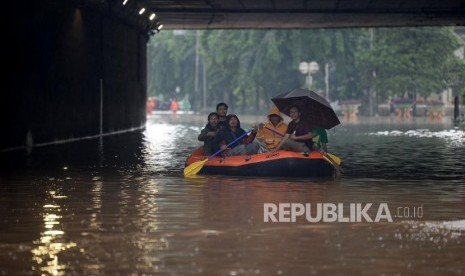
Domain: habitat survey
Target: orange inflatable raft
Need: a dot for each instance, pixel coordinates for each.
(280, 163)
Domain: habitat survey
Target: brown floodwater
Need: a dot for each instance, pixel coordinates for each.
(121, 206)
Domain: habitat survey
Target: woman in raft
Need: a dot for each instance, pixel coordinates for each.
(230, 133)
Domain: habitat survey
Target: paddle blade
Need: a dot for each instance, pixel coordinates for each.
(336, 159)
(194, 168)
(337, 168)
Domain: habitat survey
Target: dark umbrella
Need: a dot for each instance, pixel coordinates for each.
(315, 109)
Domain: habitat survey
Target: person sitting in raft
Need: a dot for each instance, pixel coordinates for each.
(208, 133)
(230, 133)
(271, 133)
(298, 135)
(320, 139)
(222, 110)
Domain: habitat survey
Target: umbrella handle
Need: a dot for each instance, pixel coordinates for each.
(274, 131)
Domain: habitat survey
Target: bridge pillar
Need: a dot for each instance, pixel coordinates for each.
(66, 64)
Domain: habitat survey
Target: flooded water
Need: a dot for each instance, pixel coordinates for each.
(121, 206)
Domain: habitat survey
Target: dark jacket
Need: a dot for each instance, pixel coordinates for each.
(222, 124)
(208, 146)
(226, 135)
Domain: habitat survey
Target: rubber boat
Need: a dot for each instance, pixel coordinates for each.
(280, 163)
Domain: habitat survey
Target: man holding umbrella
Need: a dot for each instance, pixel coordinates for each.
(311, 114)
(299, 135)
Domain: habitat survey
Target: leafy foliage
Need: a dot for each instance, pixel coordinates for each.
(246, 68)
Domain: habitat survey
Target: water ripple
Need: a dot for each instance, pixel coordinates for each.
(454, 136)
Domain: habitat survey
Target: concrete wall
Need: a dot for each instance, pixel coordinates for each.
(57, 55)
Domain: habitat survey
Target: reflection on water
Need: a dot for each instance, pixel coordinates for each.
(96, 193)
(438, 232)
(148, 224)
(123, 207)
(51, 243)
(455, 137)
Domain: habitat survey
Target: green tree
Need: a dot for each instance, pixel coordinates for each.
(407, 60)
(246, 68)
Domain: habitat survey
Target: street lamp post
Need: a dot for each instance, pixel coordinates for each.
(197, 65)
(309, 68)
(327, 81)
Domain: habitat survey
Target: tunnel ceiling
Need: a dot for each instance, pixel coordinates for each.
(233, 14)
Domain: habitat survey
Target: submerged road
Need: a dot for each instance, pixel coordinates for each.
(121, 205)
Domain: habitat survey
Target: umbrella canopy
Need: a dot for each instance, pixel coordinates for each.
(315, 109)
